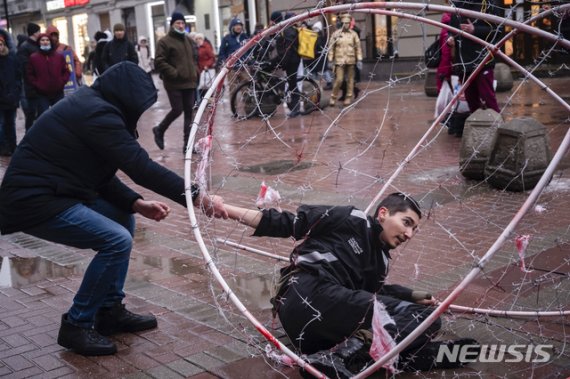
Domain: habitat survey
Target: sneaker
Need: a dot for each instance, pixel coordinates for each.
(158, 137)
(117, 319)
(83, 341)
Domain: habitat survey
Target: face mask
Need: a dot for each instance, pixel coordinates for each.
(179, 31)
(45, 48)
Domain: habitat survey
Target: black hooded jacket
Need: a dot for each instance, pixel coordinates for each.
(74, 150)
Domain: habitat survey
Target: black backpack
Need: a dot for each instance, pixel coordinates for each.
(432, 56)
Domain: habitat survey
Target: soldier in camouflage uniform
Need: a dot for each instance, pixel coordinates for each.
(345, 52)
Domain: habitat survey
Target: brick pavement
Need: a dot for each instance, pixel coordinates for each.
(327, 157)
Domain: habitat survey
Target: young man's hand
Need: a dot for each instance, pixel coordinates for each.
(154, 210)
(213, 205)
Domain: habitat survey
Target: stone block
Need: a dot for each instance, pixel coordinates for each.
(430, 86)
(478, 135)
(503, 76)
(519, 156)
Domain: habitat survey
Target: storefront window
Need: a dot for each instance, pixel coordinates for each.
(157, 23)
(80, 34)
(385, 35)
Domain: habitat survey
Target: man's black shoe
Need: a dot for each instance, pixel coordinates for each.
(158, 137)
(82, 340)
(117, 319)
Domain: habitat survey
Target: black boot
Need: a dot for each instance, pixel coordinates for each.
(82, 340)
(117, 319)
(347, 359)
(158, 137)
(425, 358)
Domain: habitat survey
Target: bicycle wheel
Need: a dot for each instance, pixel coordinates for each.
(251, 100)
(310, 98)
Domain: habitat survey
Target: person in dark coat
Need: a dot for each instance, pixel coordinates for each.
(102, 39)
(11, 88)
(287, 44)
(176, 60)
(325, 298)
(119, 49)
(30, 101)
(61, 186)
(468, 54)
(231, 42)
(48, 73)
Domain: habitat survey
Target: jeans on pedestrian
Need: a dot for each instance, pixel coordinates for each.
(109, 231)
(7, 130)
(181, 100)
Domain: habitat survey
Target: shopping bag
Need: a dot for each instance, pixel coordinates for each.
(445, 96)
(207, 78)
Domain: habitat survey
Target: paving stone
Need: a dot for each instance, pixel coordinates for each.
(184, 368)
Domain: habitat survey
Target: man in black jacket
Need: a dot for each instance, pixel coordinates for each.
(326, 295)
(287, 44)
(30, 101)
(468, 53)
(61, 185)
(119, 49)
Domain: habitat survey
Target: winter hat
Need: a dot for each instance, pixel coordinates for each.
(33, 28)
(99, 36)
(176, 16)
(276, 16)
(118, 27)
(52, 29)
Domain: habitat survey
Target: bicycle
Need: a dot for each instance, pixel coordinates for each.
(267, 90)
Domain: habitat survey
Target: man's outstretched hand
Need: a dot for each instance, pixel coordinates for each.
(213, 205)
(154, 210)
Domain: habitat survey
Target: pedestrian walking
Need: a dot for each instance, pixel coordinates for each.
(206, 63)
(47, 73)
(143, 52)
(10, 92)
(231, 42)
(102, 39)
(176, 60)
(60, 47)
(61, 186)
(30, 102)
(119, 49)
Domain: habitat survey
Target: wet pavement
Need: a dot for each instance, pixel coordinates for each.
(334, 156)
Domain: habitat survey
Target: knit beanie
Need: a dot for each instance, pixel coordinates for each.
(33, 28)
(177, 16)
(276, 16)
(118, 27)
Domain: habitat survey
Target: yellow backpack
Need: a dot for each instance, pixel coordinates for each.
(307, 43)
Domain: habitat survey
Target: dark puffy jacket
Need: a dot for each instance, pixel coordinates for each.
(10, 76)
(176, 60)
(24, 51)
(468, 53)
(48, 73)
(119, 50)
(231, 42)
(287, 44)
(74, 150)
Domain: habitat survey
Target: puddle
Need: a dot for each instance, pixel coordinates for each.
(277, 167)
(255, 291)
(17, 272)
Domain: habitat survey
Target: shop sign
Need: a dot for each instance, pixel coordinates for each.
(53, 5)
(73, 3)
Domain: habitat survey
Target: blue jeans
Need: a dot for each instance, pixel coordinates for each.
(107, 230)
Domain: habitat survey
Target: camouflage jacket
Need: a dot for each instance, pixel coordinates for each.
(345, 47)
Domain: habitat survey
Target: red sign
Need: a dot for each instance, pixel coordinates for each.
(74, 3)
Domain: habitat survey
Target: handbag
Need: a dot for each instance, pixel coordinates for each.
(432, 55)
(207, 78)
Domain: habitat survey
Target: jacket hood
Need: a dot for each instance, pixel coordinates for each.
(233, 23)
(8, 39)
(126, 86)
(141, 38)
(52, 29)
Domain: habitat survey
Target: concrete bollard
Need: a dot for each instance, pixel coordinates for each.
(430, 86)
(519, 156)
(478, 135)
(503, 76)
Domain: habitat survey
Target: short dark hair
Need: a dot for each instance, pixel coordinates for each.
(399, 202)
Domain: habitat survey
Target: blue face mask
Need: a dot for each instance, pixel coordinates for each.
(45, 48)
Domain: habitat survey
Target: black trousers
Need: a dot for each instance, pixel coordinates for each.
(318, 313)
